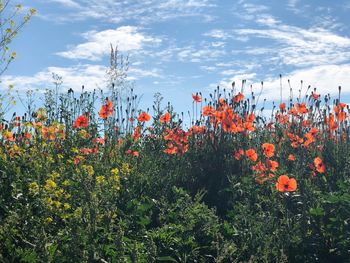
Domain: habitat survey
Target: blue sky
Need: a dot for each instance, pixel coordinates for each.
(177, 47)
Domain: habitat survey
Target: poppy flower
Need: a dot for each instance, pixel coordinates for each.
(143, 117)
(319, 165)
(251, 154)
(268, 149)
(106, 110)
(291, 157)
(165, 118)
(197, 98)
(81, 122)
(237, 155)
(283, 107)
(286, 184)
(137, 133)
(132, 153)
(238, 97)
(315, 96)
(301, 108)
(273, 165)
(207, 111)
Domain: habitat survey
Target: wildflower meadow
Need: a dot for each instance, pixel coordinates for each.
(94, 179)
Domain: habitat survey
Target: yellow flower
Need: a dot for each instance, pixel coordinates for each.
(115, 182)
(33, 188)
(115, 171)
(126, 169)
(48, 220)
(66, 183)
(59, 192)
(50, 185)
(74, 150)
(100, 179)
(88, 169)
(50, 159)
(78, 212)
(54, 175)
(66, 206)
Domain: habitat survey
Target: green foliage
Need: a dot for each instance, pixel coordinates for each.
(75, 186)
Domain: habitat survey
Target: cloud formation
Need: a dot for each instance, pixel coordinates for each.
(140, 10)
(97, 45)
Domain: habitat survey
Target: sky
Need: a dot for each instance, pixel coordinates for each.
(179, 47)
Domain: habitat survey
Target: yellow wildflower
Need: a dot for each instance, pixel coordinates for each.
(100, 179)
(126, 169)
(48, 220)
(33, 188)
(88, 169)
(50, 185)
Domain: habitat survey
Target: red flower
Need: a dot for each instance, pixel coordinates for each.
(273, 165)
(143, 117)
(283, 107)
(165, 118)
(132, 153)
(251, 154)
(286, 184)
(319, 165)
(291, 157)
(269, 149)
(315, 96)
(197, 98)
(106, 110)
(207, 111)
(81, 122)
(137, 133)
(238, 97)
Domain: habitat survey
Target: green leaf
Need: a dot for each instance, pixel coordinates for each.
(167, 258)
(318, 211)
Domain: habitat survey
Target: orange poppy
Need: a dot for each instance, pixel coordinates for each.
(283, 107)
(207, 111)
(137, 133)
(301, 108)
(273, 165)
(319, 165)
(239, 97)
(132, 153)
(251, 154)
(268, 149)
(165, 118)
(81, 122)
(106, 110)
(197, 98)
(291, 157)
(143, 117)
(286, 184)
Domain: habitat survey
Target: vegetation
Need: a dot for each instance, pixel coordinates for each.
(85, 182)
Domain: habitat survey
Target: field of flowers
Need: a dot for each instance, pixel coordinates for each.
(89, 178)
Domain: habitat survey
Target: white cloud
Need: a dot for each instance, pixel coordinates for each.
(198, 55)
(127, 38)
(325, 78)
(67, 3)
(140, 10)
(217, 33)
(91, 76)
(302, 47)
